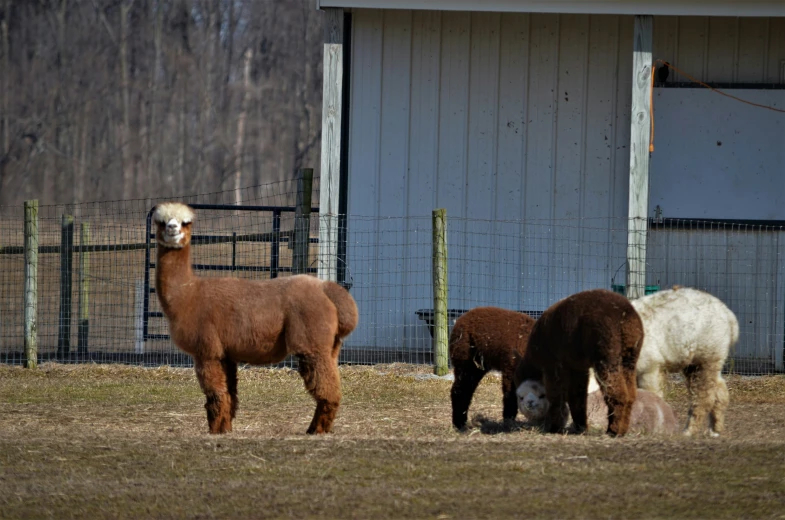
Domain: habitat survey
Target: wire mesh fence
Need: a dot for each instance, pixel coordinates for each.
(96, 300)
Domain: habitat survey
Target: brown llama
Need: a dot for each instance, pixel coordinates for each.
(224, 321)
(485, 339)
(595, 329)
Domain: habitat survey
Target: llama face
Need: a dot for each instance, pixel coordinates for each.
(531, 400)
(173, 224)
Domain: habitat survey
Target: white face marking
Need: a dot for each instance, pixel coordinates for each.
(532, 401)
(170, 218)
(173, 231)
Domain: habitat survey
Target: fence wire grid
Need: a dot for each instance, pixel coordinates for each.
(95, 305)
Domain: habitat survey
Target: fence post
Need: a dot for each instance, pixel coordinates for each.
(302, 221)
(66, 270)
(31, 283)
(440, 338)
(84, 290)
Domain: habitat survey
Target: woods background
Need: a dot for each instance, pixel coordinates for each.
(124, 99)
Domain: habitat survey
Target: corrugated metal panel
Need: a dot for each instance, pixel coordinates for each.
(504, 116)
(741, 266)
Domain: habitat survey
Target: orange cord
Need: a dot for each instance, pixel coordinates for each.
(651, 96)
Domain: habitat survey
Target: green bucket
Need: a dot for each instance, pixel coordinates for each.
(620, 288)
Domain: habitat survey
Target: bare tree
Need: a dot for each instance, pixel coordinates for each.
(134, 98)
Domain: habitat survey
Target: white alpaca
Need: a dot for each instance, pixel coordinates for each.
(650, 413)
(688, 331)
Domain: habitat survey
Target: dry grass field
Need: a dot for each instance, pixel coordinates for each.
(97, 441)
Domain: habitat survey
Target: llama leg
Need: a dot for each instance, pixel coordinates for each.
(323, 382)
(619, 396)
(213, 380)
(702, 389)
(717, 414)
(230, 369)
(467, 377)
(651, 381)
(576, 397)
(556, 419)
(699, 401)
(510, 399)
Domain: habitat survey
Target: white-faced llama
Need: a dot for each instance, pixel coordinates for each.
(690, 331)
(595, 329)
(485, 339)
(223, 321)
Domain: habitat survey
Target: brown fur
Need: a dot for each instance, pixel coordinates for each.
(485, 339)
(225, 321)
(650, 414)
(595, 329)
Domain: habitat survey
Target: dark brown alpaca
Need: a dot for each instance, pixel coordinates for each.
(225, 321)
(485, 339)
(595, 329)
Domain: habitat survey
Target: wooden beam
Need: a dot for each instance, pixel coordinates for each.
(329, 189)
(640, 132)
(613, 7)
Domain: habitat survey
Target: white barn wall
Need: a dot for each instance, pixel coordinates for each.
(505, 116)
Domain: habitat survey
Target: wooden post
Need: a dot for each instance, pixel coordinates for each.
(640, 132)
(84, 290)
(332, 94)
(31, 283)
(440, 336)
(66, 272)
(302, 221)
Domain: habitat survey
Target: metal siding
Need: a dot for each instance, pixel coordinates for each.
(721, 49)
(481, 182)
(485, 111)
(741, 267)
(396, 67)
(511, 135)
(423, 162)
(364, 160)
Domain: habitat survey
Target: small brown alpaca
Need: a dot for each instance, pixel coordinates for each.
(595, 329)
(224, 321)
(485, 339)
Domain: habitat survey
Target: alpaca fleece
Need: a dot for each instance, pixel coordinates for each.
(692, 332)
(650, 414)
(595, 329)
(224, 321)
(485, 339)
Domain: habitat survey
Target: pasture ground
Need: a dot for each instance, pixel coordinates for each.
(96, 441)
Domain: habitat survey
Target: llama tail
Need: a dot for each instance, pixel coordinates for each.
(347, 308)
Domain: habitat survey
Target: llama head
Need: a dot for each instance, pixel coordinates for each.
(531, 400)
(172, 221)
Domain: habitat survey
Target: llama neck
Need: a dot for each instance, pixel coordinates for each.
(174, 277)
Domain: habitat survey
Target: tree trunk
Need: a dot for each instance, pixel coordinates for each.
(238, 148)
(125, 87)
(6, 79)
(153, 146)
